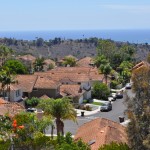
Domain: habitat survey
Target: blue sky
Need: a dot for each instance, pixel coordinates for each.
(74, 14)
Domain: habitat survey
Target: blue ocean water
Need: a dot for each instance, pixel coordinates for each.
(133, 36)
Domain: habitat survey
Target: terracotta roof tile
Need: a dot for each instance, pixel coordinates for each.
(103, 131)
(10, 108)
(27, 58)
(74, 74)
(71, 90)
(85, 62)
(44, 97)
(26, 82)
(45, 83)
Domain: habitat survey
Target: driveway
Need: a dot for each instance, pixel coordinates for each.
(118, 109)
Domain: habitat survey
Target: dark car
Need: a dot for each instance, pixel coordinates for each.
(31, 110)
(107, 106)
(119, 95)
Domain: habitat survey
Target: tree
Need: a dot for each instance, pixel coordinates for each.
(139, 110)
(39, 42)
(67, 143)
(6, 79)
(105, 69)
(100, 90)
(115, 146)
(33, 102)
(38, 64)
(16, 67)
(60, 109)
(28, 131)
(148, 58)
(69, 61)
(106, 48)
(125, 69)
(5, 52)
(100, 60)
(5, 132)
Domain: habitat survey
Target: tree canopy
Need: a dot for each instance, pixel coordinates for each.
(139, 110)
(60, 109)
(15, 67)
(100, 91)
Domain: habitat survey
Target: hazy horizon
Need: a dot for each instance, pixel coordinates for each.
(37, 15)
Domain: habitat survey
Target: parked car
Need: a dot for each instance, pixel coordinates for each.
(113, 95)
(31, 110)
(119, 95)
(111, 98)
(107, 106)
(128, 86)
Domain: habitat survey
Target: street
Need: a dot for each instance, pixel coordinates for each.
(118, 109)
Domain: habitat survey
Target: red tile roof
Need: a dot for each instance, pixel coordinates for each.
(10, 108)
(102, 131)
(27, 58)
(26, 82)
(73, 74)
(45, 83)
(85, 62)
(71, 90)
(44, 97)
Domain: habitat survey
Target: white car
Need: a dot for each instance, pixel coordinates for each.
(110, 98)
(128, 86)
(113, 95)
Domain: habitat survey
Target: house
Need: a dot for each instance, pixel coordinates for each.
(14, 94)
(85, 62)
(26, 84)
(45, 86)
(74, 75)
(74, 92)
(33, 86)
(83, 76)
(101, 131)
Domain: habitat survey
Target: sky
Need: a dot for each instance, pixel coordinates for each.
(31, 15)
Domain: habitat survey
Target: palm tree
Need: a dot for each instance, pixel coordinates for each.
(60, 109)
(6, 79)
(106, 69)
(39, 63)
(5, 52)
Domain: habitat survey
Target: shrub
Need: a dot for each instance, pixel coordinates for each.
(114, 84)
(32, 102)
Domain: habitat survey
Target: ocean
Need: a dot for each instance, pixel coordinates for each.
(132, 36)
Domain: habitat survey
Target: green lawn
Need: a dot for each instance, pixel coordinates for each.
(97, 103)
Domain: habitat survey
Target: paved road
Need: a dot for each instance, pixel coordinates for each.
(118, 109)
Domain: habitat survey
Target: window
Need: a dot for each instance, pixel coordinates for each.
(17, 93)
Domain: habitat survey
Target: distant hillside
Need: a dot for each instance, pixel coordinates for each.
(58, 48)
